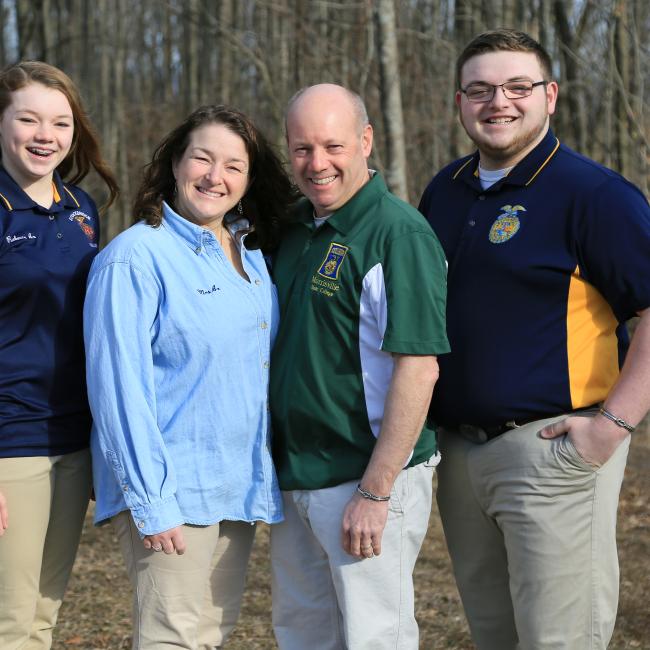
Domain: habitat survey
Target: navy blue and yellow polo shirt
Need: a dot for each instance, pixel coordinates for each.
(544, 267)
(45, 255)
(368, 283)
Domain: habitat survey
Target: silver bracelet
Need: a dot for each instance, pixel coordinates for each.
(620, 422)
(369, 495)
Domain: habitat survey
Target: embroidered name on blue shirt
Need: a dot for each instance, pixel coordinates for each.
(205, 292)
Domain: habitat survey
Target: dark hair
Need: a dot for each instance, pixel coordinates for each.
(269, 194)
(504, 40)
(84, 152)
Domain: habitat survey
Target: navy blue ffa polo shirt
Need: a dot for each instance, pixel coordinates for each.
(45, 255)
(544, 267)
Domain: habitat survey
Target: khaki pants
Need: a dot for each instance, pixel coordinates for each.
(47, 499)
(531, 530)
(323, 598)
(187, 601)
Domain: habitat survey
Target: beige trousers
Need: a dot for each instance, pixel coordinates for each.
(323, 598)
(189, 601)
(47, 499)
(531, 530)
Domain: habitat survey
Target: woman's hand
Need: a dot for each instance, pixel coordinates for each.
(4, 514)
(169, 541)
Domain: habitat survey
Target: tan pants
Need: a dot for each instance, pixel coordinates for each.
(47, 499)
(325, 599)
(187, 601)
(531, 530)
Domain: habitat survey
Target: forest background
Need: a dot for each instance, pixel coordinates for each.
(144, 65)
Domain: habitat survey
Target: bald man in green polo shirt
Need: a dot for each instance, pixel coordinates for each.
(361, 280)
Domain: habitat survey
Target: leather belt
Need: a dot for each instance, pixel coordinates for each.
(482, 434)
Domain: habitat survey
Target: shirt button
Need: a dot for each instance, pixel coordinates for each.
(472, 222)
(125, 488)
(59, 235)
(263, 326)
(481, 197)
(267, 364)
(141, 524)
(197, 250)
(51, 217)
(258, 282)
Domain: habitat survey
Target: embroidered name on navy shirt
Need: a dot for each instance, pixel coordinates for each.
(13, 238)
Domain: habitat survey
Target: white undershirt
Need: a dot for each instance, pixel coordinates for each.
(489, 177)
(319, 221)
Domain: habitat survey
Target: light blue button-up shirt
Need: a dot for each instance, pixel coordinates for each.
(178, 347)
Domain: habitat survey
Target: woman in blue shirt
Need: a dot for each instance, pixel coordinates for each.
(49, 231)
(180, 317)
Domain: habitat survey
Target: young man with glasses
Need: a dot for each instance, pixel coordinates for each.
(549, 255)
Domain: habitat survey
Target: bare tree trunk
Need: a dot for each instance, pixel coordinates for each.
(544, 19)
(391, 97)
(225, 64)
(622, 58)
(168, 75)
(3, 21)
(191, 62)
(572, 82)
(45, 32)
(640, 18)
(25, 26)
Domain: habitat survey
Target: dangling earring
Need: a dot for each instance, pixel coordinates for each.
(240, 208)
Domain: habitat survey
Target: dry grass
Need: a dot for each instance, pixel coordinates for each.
(96, 614)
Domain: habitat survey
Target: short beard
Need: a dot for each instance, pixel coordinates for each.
(522, 144)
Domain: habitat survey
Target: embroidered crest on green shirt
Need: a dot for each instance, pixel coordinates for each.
(332, 263)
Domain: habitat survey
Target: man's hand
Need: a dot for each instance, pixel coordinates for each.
(4, 514)
(169, 541)
(363, 526)
(595, 438)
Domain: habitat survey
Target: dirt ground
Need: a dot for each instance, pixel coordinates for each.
(96, 613)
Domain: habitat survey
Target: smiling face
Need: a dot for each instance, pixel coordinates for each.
(211, 175)
(328, 147)
(36, 133)
(505, 130)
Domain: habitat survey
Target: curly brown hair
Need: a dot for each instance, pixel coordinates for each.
(85, 151)
(270, 192)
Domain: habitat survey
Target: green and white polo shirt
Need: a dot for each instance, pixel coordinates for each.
(369, 282)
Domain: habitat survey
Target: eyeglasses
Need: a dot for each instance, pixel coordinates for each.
(482, 92)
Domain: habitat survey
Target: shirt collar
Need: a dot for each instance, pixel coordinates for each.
(13, 197)
(347, 216)
(194, 235)
(523, 173)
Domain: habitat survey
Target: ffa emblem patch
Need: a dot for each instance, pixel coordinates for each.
(84, 222)
(332, 263)
(507, 225)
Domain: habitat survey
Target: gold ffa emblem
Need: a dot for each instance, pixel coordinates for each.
(507, 224)
(332, 263)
